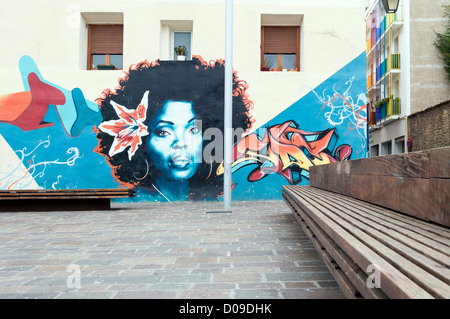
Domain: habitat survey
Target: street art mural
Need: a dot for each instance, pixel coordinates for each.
(160, 130)
(155, 122)
(46, 137)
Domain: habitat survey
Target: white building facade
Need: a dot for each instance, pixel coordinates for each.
(314, 86)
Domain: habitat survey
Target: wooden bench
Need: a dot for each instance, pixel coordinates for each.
(359, 241)
(61, 199)
(385, 218)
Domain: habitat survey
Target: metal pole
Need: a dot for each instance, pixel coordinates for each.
(228, 120)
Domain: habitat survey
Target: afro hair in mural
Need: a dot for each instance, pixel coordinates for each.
(158, 104)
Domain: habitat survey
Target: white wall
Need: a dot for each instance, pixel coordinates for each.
(53, 33)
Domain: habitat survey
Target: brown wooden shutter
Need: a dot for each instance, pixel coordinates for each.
(280, 39)
(106, 39)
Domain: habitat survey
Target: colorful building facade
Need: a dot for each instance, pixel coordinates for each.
(404, 71)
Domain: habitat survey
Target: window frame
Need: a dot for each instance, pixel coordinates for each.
(280, 55)
(107, 55)
(173, 54)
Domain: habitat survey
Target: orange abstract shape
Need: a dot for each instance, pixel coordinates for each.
(31, 112)
(14, 104)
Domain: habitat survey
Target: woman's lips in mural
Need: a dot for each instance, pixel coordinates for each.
(180, 161)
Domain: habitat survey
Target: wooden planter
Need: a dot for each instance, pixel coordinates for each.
(105, 67)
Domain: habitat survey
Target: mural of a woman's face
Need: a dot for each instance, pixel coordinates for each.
(175, 142)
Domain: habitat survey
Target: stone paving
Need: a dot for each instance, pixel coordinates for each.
(162, 250)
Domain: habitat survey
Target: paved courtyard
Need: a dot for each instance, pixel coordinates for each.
(161, 250)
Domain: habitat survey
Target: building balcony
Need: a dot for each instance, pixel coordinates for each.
(369, 81)
(387, 110)
(391, 21)
(392, 62)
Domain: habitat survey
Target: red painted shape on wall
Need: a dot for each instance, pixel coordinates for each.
(31, 116)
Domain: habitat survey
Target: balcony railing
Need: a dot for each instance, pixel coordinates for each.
(390, 63)
(377, 31)
(369, 81)
(381, 70)
(393, 62)
(393, 17)
(387, 108)
(393, 107)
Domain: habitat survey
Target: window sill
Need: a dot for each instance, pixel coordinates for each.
(281, 71)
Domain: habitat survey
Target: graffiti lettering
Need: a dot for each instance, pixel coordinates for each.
(287, 151)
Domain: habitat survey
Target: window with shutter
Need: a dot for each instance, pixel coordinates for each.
(105, 46)
(280, 47)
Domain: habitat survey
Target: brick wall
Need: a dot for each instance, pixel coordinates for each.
(430, 128)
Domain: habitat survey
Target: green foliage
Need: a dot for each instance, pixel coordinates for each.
(443, 43)
(180, 50)
(267, 64)
(385, 100)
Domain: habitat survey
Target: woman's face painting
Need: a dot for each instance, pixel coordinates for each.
(175, 143)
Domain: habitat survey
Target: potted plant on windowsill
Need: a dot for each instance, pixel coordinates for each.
(267, 65)
(105, 66)
(181, 51)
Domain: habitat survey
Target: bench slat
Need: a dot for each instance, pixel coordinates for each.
(439, 251)
(395, 284)
(61, 197)
(415, 227)
(406, 263)
(66, 193)
(344, 282)
(354, 273)
(75, 190)
(390, 240)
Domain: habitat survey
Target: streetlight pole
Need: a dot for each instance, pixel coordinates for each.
(228, 120)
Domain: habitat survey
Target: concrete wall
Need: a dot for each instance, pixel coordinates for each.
(429, 85)
(392, 133)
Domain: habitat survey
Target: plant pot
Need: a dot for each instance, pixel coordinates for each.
(105, 67)
(265, 69)
(181, 58)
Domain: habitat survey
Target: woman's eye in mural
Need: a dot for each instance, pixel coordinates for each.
(161, 132)
(194, 130)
